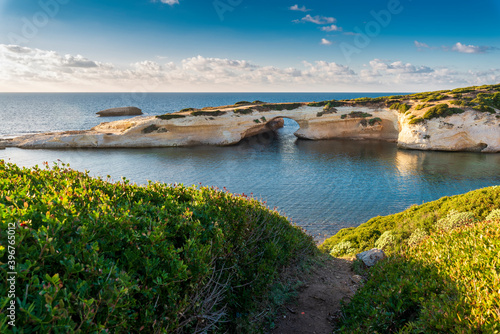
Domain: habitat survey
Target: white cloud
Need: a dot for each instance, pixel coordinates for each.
(421, 45)
(300, 9)
(462, 48)
(324, 41)
(458, 47)
(331, 28)
(170, 2)
(31, 69)
(316, 19)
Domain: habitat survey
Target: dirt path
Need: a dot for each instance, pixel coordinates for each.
(319, 298)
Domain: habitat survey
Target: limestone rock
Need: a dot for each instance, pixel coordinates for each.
(122, 111)
(372, 256)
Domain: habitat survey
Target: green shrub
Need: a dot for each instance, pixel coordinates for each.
(256, 120)
(94, 256)
(243, 111)
(488, 99)
(479, 203)
(188, 109)
(356, 114)
(495, 214)
(455, 219)
(441, 110)
(417, 237)
(447, 284)
(484, 108)
(387, 239)
(416, 120)
(342, 248)
(242, 102)
(333, 103)
(170, 116)
(421, 106)
(374, 121)
(401, 107)
(208, 113)
(258, 102)
(284, 106)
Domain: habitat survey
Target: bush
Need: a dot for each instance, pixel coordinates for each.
(421, 106)
(188, 109)
(484, 108)
(479, 203)
(417, 237)
(495, 214)
(447, 284)
(208, 113)
(387, 239)
(342, 248)
(243, 111)
(333, 103)
(242, 102)
(170, 116)
(455, 219)
(401, 107)
(284, 106)
(441, 110)
(374, 121)
(356, 114)
(416, 120)
(94, 256)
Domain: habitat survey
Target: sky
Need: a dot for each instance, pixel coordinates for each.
(247, 46)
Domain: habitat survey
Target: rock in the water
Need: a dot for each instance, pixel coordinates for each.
(122, 111)
(370, 257)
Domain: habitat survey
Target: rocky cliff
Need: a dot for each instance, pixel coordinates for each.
(466, 119)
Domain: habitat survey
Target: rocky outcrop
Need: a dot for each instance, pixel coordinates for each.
(229, 127)
(122, 111)
(472, 130)
(409, 122)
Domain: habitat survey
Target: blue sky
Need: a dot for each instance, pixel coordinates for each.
(243, 45)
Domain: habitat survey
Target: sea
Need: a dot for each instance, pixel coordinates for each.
(322, 186)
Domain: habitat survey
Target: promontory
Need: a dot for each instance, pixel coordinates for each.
(463, 119)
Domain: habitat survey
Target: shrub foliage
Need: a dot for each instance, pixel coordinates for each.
(94, 256)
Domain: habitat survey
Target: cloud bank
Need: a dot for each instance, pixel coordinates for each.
(29, 69)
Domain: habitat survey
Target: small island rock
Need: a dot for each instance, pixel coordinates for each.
(122, 111)
(370, 257)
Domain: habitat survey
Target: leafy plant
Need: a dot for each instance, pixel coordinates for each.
(95, 256)
(441, 110)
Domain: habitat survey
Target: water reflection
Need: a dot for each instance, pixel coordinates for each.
(321, 185)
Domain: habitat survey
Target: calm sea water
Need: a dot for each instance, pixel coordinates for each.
(321, 185)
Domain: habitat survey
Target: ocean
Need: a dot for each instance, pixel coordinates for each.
(322, 186)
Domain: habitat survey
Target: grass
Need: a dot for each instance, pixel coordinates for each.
(97, 256)
(446, 283)
(479, 202)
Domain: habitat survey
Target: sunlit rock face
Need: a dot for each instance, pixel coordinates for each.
(469, 131)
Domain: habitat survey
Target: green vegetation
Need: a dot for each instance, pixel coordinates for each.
(333, 103)
(356, 114)
(416, 120)
(258, 102)
(374, 121)
(208, 113)
(170, 116)
(256, 120)
(151, 128)
(284, 106)
(484, 108)
(368, 100)
(479, 202)
(243, 111)
(441, 110)
(429, 96)
(401, 107)
(242, 102)
(464, 90)
(488, 99)
(188, 109)
(94, 256)
(422, 106)
(443, 283)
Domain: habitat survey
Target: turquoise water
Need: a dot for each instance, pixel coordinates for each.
(321, 185)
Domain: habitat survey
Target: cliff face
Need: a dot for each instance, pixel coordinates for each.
(470, 131)
(424, 121)
(226, 129)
